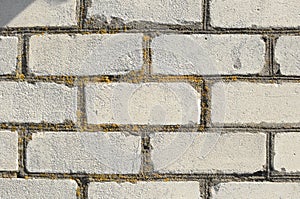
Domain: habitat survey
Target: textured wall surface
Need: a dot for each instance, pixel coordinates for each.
(149, 99)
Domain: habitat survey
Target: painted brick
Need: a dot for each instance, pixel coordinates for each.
(148, 103)
(208, 54)
(37, 188)
(168, 11)
(287, 152)
(208, 152)
(83, 55)
(255, 13)
(255, 103)
(8, 151)
(48, 102)
(69, 152)
(8, 54)
(287, 55)
(31, 13)
(147, 190)
(256, 190)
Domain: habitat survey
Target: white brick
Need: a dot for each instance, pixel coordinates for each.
(208, 54)
(167, 11)
(256, 190)
(68, 152)
(208, 152)
(8, 151)
(37, 188)
(255, 13)
(287, 152)
(287, 55)
(30, 13)
(255, 103)
(145, 190)
(85, 54)
(8, 54)
(147, 103)
(26, 102)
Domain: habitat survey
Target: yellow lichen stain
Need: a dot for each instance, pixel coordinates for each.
(145, 53)
(40, 127)
(78, 192)
(69, 80)
(103, 31)
(26, 177)
(201, 128)
(135, 128)
(232, 78)
(13, 128)
(166, 180)
(20, 76)
(4, 126)
(106, 79)
(146, 38)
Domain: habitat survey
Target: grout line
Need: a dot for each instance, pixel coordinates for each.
(146, 162)
(205, 104)
(147, 60)
(205, 15)
(81, 110)
(82, 190)
(22, 59)
(271, 55)
(206, 193)
(21, 154)
(133, 77)
(276, 66)
(271, 153)
(70, 127)
(268, 152)
(148, 29)
(82, 13)
(268, 59)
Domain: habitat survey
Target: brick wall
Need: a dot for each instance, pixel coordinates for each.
(149, 99)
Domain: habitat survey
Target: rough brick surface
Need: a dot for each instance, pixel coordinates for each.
(208, 152)
(8, 54)
(255, 13)
(168, 11)
(255, 103)
(67, 152)
(8, 151)
(287, 55)
(207, 54)
(256, 190)
(49, 102)
(148, 103)
(287, 152)
(85, 54)
(30, 13)
(37, 188)
(146, 190)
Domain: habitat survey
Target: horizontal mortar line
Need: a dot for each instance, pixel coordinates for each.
(284, 175)
(140, 177)
(183, 128)
(151, 27)
(284, 127)
(260, 175)
(13, 126)
(135, 129)
(136, 79)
